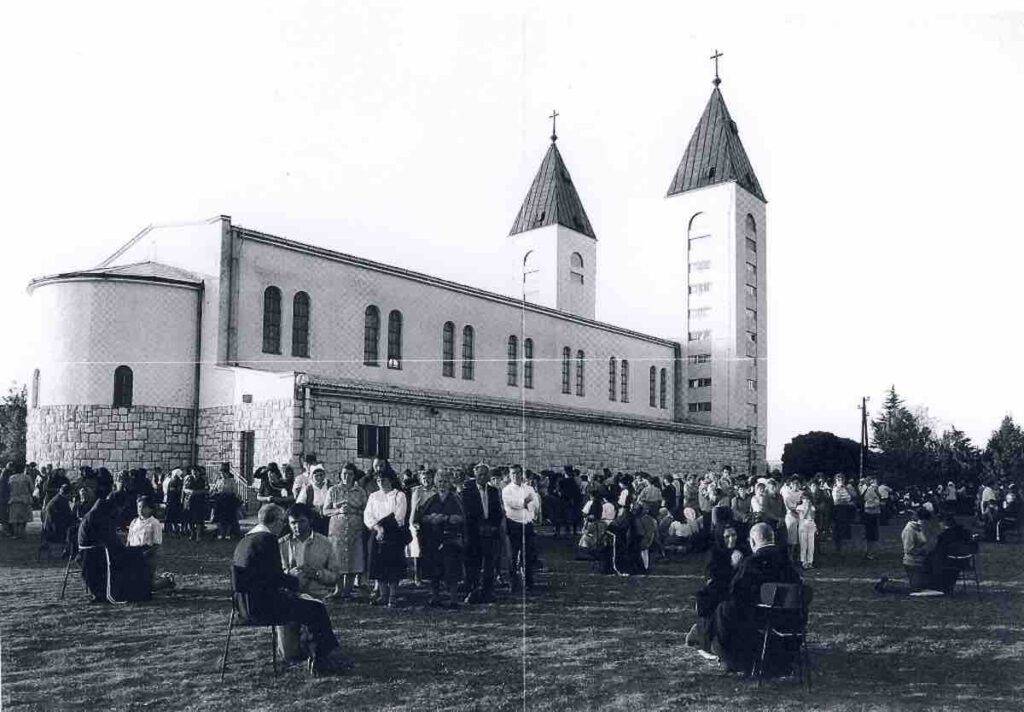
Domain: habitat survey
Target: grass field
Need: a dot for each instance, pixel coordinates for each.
(591, 642)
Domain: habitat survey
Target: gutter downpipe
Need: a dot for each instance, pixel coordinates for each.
(201, 293)
(305, 392)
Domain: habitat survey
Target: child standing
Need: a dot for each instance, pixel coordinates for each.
(807, 530)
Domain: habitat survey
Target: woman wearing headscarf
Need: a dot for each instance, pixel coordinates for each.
(344, 505)
(442, 524)
(385, 517)
(420, 494)
(313, 493)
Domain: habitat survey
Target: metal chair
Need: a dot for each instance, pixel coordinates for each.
(784, 606)
(239, 613)
(965, 560)
(1006, 526)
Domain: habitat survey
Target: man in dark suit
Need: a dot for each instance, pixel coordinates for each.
(484, 515)
(265, 594)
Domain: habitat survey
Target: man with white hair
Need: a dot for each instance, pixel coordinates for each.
(734, 629)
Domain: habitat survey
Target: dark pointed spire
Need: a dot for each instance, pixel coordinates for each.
(715, 153)
(552, 198)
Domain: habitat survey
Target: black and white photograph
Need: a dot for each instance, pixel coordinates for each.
(537, 356)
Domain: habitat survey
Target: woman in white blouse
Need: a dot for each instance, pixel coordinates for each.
(385, 517)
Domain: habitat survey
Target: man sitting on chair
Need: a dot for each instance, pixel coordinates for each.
(263, 592)
(734, 629)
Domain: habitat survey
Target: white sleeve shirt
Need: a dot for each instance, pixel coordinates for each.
(145, 532)
(513, 497)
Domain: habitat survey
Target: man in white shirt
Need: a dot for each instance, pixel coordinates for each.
(520, 502)
(308, 555)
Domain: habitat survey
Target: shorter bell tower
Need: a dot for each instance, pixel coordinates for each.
(556, 244)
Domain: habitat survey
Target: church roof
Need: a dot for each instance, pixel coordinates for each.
(715, 153)
(552, 199)
(144, 271)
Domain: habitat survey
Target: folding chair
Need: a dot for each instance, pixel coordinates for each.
(1006, 526)
(77, 557)
(784, 606)
(965, 560)
(239, 613)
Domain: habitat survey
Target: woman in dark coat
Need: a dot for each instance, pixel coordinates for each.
(173, 515)
(442, 528)
(58, 519)
(196, 502)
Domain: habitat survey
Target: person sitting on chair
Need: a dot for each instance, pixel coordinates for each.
(724, 560)
(734, 629)
(263, 592)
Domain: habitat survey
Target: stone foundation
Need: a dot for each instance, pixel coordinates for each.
(272, 423)
(70, 436)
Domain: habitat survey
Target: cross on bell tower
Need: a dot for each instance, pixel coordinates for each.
(717, 80)
(554, 118)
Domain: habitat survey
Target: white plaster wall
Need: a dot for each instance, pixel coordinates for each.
(88, 328)
(225, 385)
(340, 293)
(542, 265)
(573, 297)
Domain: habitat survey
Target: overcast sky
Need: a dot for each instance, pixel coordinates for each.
(889, 144)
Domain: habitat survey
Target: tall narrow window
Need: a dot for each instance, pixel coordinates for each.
(35, 388)
(467, 353)
(624, 390)
(654, 380)
(124, 385)
(528, 363)
(613, 378)
(371, 335)
(513, 358)
(271, 320)
(395, 339)
(576, 267)
(300, 325)
(566, 358)
(663, 389)
(448, 350)
(580, 360)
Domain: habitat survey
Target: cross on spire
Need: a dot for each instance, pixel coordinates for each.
(553, 117)
(715, 57)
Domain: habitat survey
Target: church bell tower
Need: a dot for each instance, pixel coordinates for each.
(720, 216)
(556, 245)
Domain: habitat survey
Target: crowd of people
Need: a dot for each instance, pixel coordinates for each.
(466, 532)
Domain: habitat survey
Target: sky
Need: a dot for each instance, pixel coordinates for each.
(887, 139)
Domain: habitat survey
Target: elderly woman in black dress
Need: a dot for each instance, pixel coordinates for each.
(442, 526)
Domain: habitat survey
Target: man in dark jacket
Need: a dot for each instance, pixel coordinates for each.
(265, 594)
(484, 516)
(736, 619)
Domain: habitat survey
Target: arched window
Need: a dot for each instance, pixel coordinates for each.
(624, 394)
(513, 357)
(663, 389)
(612, 378)
(566, 357)
(528, 363)
(580, 360)
(395, 339)
(300, 325)
(123, 387)
(576, 267)
(467, 353)
(35, 389)
(271, 320)
(654, 379)
(448, 350)
(751, 225)
(371, 335)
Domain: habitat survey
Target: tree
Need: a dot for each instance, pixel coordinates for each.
(820, 451)
(905, 441)
(1004, 453)
(13, 429)
(956, 457)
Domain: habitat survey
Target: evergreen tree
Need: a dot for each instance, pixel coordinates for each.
(13, 429)
(904, 439)
(1004, 453)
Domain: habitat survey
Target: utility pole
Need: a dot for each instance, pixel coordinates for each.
(863, 432)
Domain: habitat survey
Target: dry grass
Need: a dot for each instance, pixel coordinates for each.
(591, 642)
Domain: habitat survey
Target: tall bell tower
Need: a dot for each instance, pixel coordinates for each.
(720, 217)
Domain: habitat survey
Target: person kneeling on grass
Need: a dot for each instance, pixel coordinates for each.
(264, 593)
(146, 533)
(916, 560)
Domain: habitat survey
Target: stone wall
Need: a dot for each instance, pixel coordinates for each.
(116, 438)
(272, 422)
(440, 435)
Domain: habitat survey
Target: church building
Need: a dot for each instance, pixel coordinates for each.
(217, 342)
